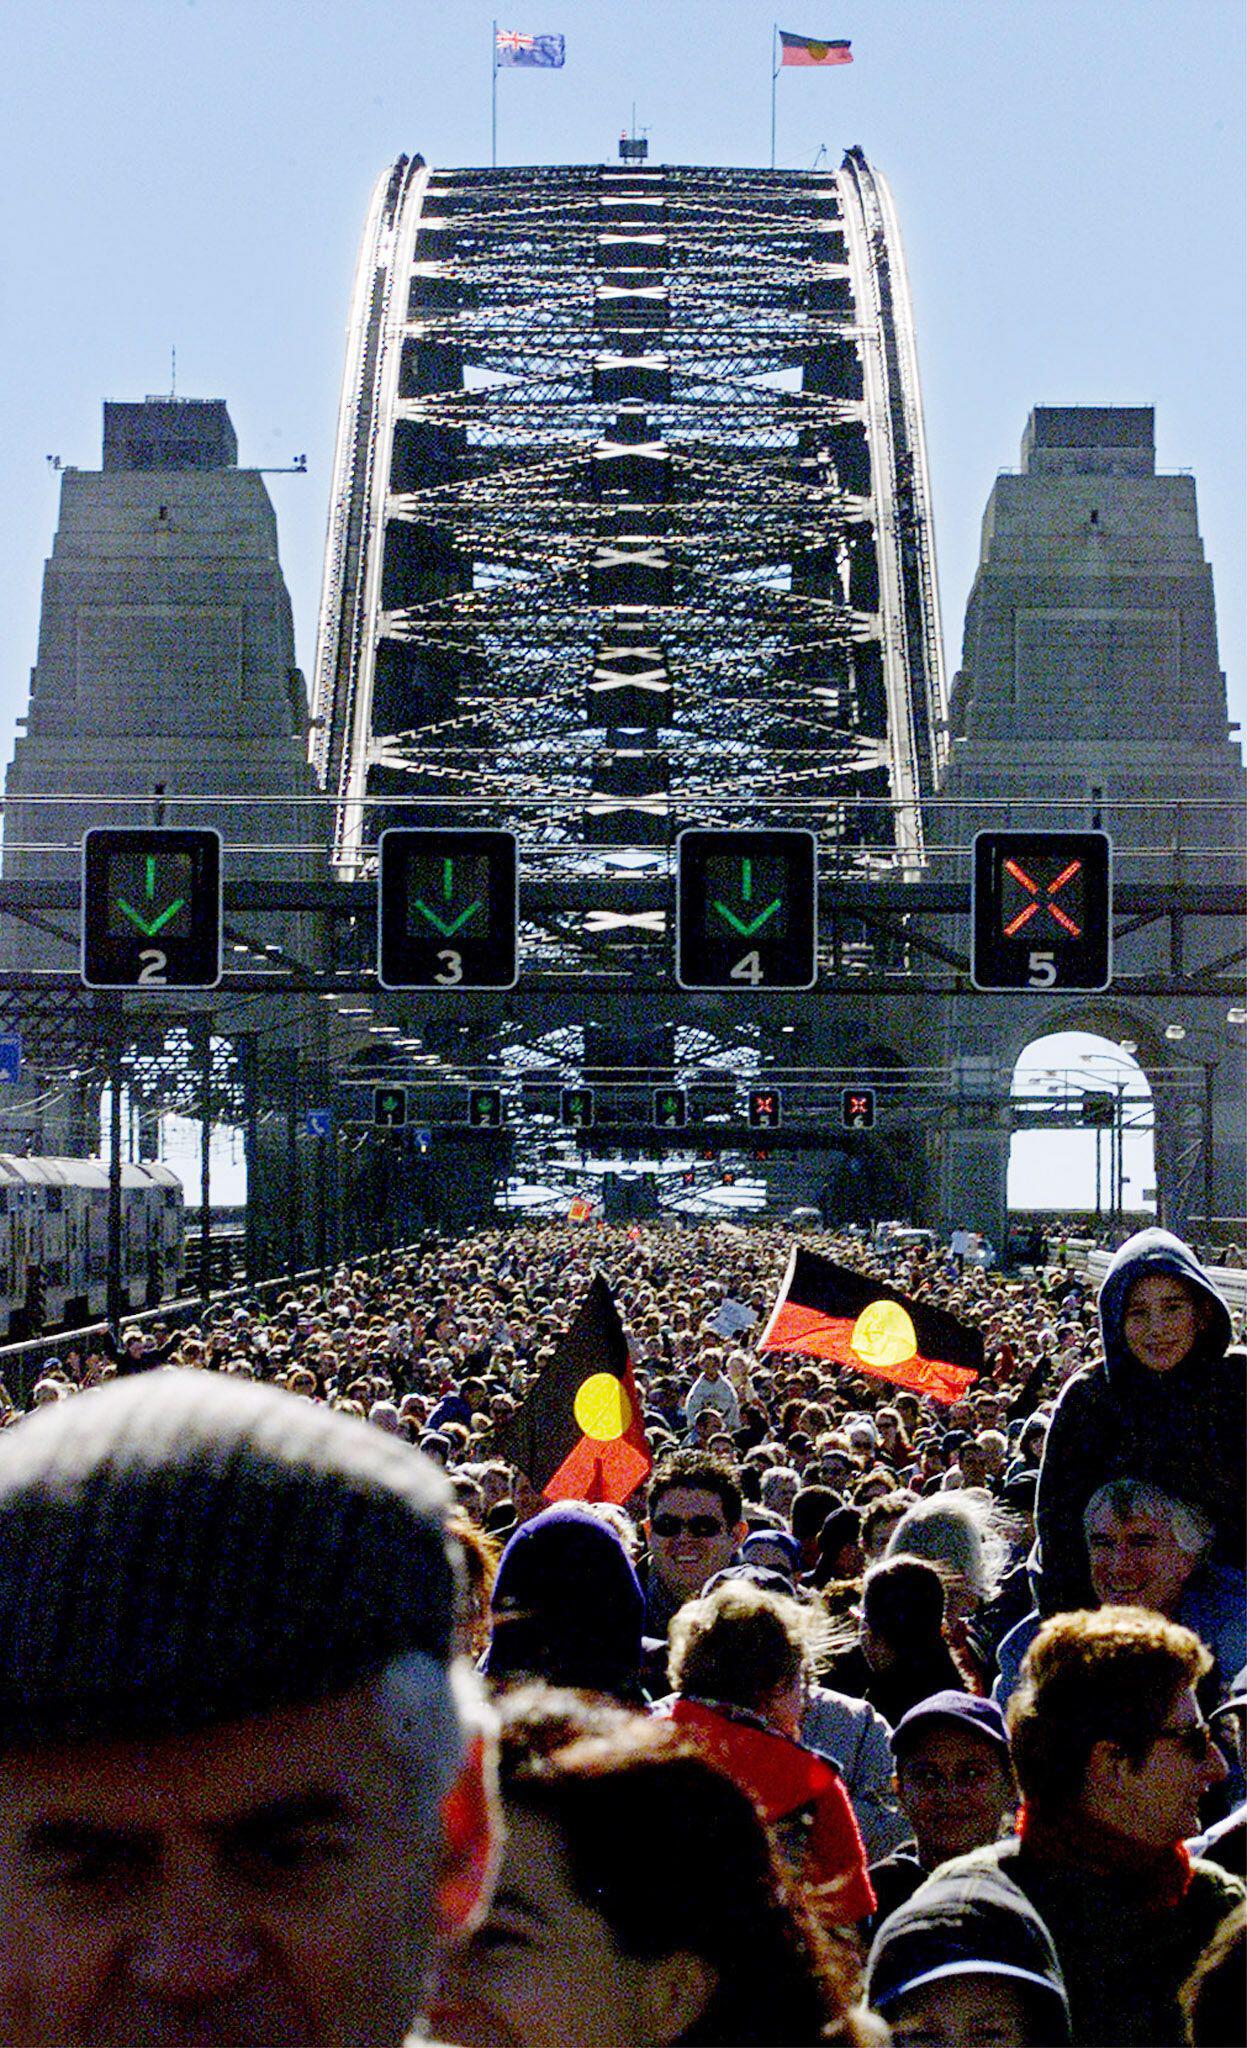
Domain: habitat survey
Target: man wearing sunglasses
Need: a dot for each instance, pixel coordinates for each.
(693, 1529)
(1112, 1756)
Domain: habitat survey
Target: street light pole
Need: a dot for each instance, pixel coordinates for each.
(1210, 1068)
(1209, 1064)
(1117, 1141)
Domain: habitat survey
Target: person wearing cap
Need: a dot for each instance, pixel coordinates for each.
(776, 1550)
(968, 1961)
(955, 1785)
(1112, 1756)
(243, 1776)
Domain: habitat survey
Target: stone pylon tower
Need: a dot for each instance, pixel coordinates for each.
(166, 647)
(1090, 694)
(166, 671)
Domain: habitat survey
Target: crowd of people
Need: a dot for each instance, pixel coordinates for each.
(867, 1711)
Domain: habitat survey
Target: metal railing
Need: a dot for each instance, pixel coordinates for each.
(22, 1365)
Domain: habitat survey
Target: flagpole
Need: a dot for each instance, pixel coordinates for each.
(775, 72)
(493, 101)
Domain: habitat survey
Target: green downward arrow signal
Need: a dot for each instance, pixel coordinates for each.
(747, 926)
(151, 924)
(450, 925)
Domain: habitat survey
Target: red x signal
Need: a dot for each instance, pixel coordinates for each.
(1042, 895)
(1041, 907)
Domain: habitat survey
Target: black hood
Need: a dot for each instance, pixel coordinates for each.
(1156, 1251)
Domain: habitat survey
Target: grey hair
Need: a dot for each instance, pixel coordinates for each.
(428, 1716)
(961, 1530)
(779, 1480)
(1192, 1528)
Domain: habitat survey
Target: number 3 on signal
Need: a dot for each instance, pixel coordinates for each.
(452, 969)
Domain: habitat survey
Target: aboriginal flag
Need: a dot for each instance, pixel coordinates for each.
(578, 1435)
(809, 50)
(828, 1311)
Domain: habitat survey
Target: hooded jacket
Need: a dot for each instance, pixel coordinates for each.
(1184, 1430)
(567, 1606)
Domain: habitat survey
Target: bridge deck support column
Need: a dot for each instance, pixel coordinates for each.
(974, 1182)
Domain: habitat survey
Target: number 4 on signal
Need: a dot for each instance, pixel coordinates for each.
(746, 909)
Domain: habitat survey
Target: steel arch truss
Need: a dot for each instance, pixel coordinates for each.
(631, 527)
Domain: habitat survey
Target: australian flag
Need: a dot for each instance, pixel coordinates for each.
(510, 47)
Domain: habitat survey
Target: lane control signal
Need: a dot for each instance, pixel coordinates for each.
(485, 1109)
(389, 1108)
(669, 1109)
(151, 907)
(857, 1109)
(746, 909)
(1041, 910)
(447, 908)
(766, 1109)
(576, 1109)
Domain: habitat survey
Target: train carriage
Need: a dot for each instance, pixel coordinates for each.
(54, 1239)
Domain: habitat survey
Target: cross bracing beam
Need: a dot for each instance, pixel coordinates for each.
(1135, 903)
(565, 325)
(736, 358)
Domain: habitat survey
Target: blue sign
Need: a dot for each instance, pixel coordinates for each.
(10, 1058)
(318, 1123)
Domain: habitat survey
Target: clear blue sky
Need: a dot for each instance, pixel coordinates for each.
(1070, 179)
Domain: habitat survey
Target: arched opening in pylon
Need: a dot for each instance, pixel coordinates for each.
(1083, 1123)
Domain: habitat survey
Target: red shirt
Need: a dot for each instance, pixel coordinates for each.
(800, 1795)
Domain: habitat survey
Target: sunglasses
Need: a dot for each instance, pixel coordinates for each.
(688, 1525)
(1196, 1742)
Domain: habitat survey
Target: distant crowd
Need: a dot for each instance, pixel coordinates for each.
(865, 1711)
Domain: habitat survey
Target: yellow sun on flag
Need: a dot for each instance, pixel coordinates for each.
(884, 1334)
(602, 1408)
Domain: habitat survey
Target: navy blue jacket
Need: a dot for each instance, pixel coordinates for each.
(1184, 1430)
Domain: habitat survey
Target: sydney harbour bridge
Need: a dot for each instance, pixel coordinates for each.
(630, 531)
